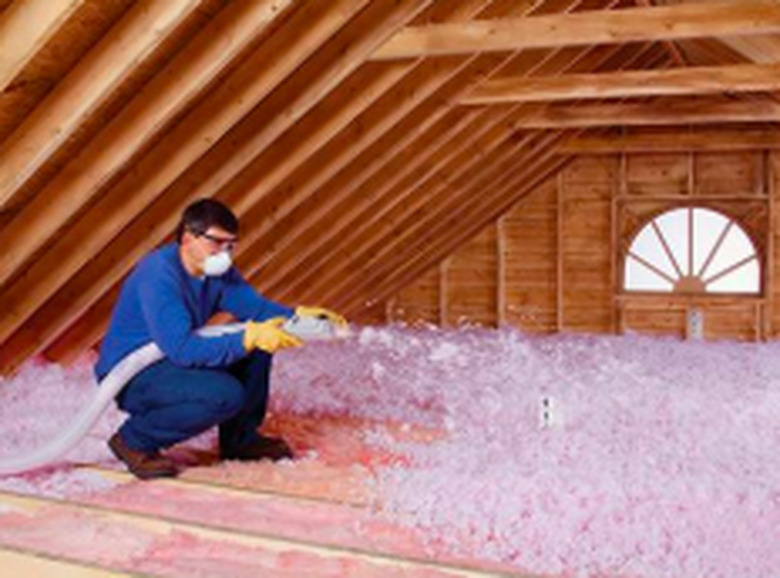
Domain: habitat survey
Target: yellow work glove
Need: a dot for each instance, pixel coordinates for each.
(268, 336)
(337, 320)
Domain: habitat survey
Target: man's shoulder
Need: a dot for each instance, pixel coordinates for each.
(160, 261)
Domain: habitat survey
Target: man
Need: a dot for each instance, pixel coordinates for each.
(202, 381)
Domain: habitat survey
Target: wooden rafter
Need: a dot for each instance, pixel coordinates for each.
(658, 113)
(630, 84)
(351, 175)
(378, 132)
(316, 130)
(750, 17)
(25, 27)
(95, 78)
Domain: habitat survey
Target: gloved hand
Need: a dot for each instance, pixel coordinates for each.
(268, 336)
(338, 321)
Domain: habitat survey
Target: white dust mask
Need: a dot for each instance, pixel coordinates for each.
(218, 264)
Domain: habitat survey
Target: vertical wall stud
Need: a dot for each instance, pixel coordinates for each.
(559, 250)
(501, 271)
(443, 292)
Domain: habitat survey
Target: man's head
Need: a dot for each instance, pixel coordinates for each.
(207, 234)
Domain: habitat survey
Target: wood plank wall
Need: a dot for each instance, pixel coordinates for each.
(554, 261)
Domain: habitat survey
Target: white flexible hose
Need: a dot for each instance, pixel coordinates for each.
(110, 386)
(124, 371)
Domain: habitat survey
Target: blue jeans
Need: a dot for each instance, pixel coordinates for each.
(168, 403)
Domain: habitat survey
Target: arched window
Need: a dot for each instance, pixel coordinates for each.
(692, 250)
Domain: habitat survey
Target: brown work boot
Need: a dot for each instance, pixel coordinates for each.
(144, 465)
(263, 448)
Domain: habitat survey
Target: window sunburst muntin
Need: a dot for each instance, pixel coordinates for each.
(692, 250)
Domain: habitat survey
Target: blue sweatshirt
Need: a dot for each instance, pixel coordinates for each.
(161, 302)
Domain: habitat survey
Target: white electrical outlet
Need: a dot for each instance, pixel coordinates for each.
(550, 414)
(695, 324)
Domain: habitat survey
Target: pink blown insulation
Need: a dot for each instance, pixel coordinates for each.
(565, 455)
(655, 458)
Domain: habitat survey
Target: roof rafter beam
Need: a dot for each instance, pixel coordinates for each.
(585, 28)
(630, 84)
(25, 27)
(95, 78)
(651, 114)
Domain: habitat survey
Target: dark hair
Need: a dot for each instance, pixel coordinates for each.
(205, 213)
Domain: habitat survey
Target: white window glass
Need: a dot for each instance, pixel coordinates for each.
(724, 258)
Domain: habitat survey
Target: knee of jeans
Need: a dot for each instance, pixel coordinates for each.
(229, 398)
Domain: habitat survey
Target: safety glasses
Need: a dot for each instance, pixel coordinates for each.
(228, 243)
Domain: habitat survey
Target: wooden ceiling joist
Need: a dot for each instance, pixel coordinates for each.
(25, 27)
(85, 89)
(630, 84)
(681, 140)
(296, 98)
(751, 17)
(658, 113)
